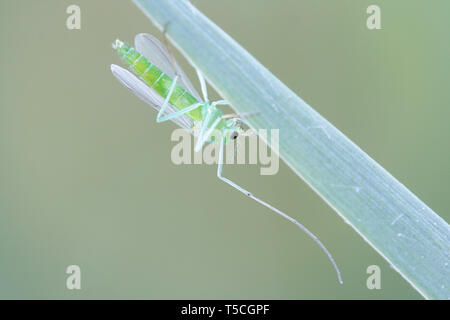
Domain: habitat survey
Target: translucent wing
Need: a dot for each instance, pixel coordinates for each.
(156, 53)
(148, 95)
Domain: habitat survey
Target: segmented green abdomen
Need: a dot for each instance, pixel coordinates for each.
(158, 80)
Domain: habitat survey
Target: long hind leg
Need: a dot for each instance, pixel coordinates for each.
(247, 193)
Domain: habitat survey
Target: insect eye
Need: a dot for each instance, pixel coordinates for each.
(234, 135)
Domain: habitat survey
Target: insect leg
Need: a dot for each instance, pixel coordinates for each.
(166, 102)
(298, 224)
(220, 103)
(239, 115)
(203, 85)
(180, 113)
(167, 43)
(232, 115)
(204, 135)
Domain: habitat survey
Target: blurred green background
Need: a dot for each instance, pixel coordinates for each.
(86, 176)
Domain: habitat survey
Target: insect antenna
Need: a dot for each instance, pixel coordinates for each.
(281, 213)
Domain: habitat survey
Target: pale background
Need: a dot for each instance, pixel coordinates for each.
(86, 176)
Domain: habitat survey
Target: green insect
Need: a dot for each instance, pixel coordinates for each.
(165, 87)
